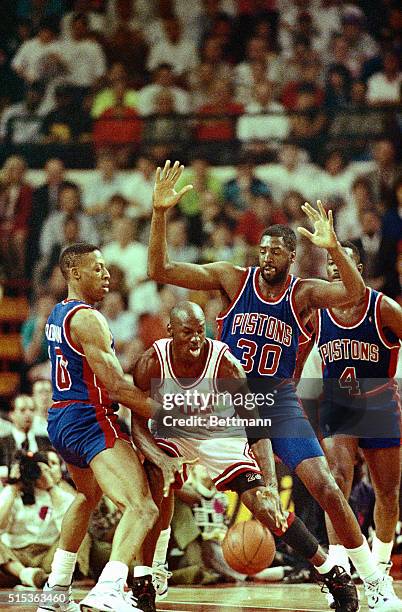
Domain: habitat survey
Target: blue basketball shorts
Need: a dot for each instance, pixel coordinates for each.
(79, 431)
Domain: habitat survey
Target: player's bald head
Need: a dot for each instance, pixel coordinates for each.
(186, 312)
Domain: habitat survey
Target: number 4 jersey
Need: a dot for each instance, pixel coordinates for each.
(72, 378)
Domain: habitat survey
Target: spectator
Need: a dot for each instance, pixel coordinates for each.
(309, 77)
(221, 246)
(39, 58)
(256, 131)
(200, 80)
(239, 191)
(153, 325)
(22, 435)
(45, 200)
(179, 247)
(31, 511)
(106, 98)
(90, 8)
(302, 54)
(340, 54)
(166, 134)
(55, 465)
(35, 12)
(369, 244)
(42, 399)
(383, 178)
(335, 181)
(182, 53)
(219, 130)
(385, 87)
(33, 337)
(348, 225)
(127, 45)
(105, 183)
(213, 52)
(69, 204)
(15, 211)
(162, 80)
(256, 52)
(68, 121)
(122, 324)
(361, 44)
(21, 123)
(308, 125)
(254, 221)
(337, 88)
(200, 175)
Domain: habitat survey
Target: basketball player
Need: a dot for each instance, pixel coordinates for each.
(86, 379)
(263, 323)
(359, 348)
(189, 362)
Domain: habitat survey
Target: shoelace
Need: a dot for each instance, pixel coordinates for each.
(161, 572)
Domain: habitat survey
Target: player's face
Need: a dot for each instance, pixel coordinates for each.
(94, 276)
(332, 270)
(274, 259)
(188, 337)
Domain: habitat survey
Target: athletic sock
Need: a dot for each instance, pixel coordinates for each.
(63, 566)
(363, 561)
(114, 574)
(142, 570)
(381, 550)
(325, 567)
(339, 556)
(162, 547)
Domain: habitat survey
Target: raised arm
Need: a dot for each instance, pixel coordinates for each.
(90, 331)
(391, 316)
(322, 294)
(219, 276)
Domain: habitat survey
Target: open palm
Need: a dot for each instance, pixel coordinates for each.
(165, 196)
(324, 234)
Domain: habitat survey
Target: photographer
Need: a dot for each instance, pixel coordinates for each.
(32, 506)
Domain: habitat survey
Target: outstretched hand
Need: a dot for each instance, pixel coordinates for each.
(324, 234)
(165, 196)
(170, 466)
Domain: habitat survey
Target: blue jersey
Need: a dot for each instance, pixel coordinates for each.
(359, 358)
(72, 378)
(263, 334)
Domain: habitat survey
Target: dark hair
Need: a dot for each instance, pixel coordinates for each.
(71, 256)
(282, 231)
(30, 472)
(347, 244)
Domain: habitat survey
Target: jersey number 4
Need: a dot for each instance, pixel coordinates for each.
(63, 378)
(269, 358)
(348, 380)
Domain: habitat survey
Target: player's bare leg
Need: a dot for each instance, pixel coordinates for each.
(385, 471)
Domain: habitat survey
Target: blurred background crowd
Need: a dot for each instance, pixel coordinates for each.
(268, 103)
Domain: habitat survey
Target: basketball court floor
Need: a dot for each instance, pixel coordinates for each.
(228, 598)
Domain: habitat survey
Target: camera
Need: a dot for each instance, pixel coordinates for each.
(29, 468)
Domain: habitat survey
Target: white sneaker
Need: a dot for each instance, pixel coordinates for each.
(381, 595)
(160, 576)
(100, 600)
(60, 599)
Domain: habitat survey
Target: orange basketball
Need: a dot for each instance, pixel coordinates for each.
(249, 547)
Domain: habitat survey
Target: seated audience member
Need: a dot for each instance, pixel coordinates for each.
(106, 98)
(162, 80)
(21, 122)
(42, 399)
(55, 464)
(257, 126)
(369, 244)
(309, 123)
(32, 507)
(22, 435)
(67, 122)
(386, 173)
(337, 88)
(153, 325)
(122, 323)
(257, 218)
(179, 247)
(103, 523)
(238, 192)
(33, 337)
(385, 87)
(181, 53)
(69, 204)
(126, 45)
(221, 246)
(138, 188)
(15, 211)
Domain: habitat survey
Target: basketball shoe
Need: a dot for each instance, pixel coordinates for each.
(160, 577)
(104, 598)
(60, 599)
(381, 596)
(143, 592)
(342, 588)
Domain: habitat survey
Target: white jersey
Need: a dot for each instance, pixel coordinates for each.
(193, 408)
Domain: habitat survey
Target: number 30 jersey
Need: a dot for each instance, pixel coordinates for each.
(359, 358)
(263, 334)
(72, 378)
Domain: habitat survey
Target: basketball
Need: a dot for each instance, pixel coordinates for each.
(249, 547)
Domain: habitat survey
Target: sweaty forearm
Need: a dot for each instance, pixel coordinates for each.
(158, 257)
(350, 275)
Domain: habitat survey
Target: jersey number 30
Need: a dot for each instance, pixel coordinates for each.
(63, 378)
(348, 380)
(269, 358)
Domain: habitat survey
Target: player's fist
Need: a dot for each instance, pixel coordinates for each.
(165, 196)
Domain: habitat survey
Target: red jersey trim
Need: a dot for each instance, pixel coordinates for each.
(66, 328)
(333, 318)
(278, 298)
(378, 324)
(202, 375)
(299, 322)
(222, 351)
(224, 313)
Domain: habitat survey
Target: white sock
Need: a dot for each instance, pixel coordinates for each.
(325, 567)
(381, 550)
(142, 570)
(339, 556)
(162, 547)
(63, 566)
(364, 561)
(114, 572)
